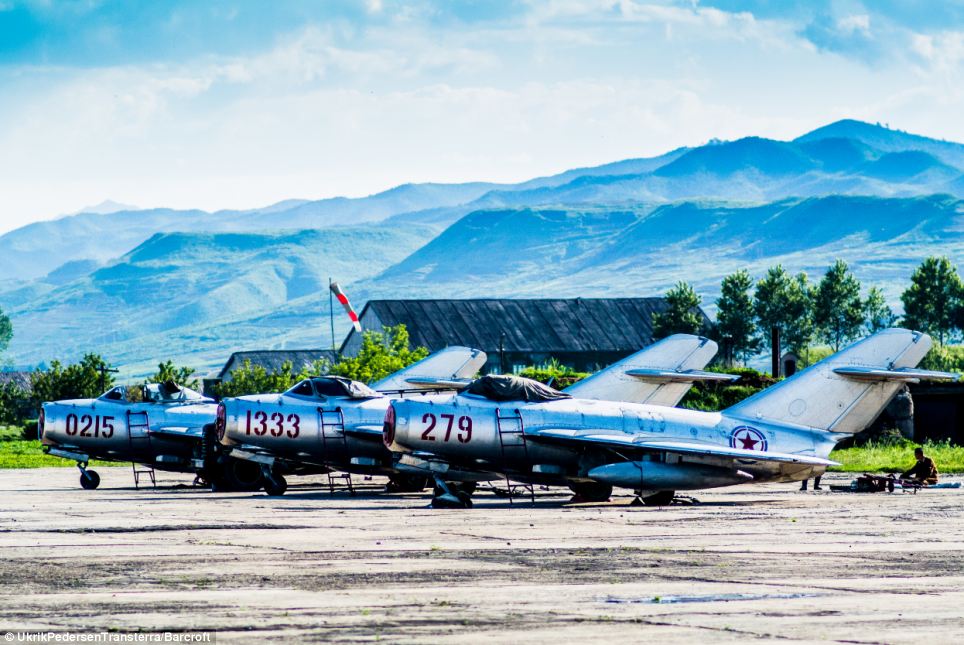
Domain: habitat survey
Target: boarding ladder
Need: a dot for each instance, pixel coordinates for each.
(331, 424)
(512, 441)
(139, 431)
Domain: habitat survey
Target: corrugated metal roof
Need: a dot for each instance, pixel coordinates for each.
(529, 325)
(21, 379)
(272, 360)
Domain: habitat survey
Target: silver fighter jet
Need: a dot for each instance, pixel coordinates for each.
(536, 434)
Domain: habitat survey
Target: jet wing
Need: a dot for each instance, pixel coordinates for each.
(178, 432)
(616, 440)
(367, 432)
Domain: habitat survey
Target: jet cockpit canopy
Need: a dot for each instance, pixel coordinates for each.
(503, 387)
(167, 392)
(324, 387)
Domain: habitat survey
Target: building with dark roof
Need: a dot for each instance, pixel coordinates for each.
(19, 379)
(271, 361)
(584, 333)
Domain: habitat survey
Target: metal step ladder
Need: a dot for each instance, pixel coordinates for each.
(138, 431)
(512, 440)
(333, 438)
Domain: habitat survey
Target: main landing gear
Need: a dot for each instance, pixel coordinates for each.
(590, 492)
(275, 485)
(662, 498)
(89, 479)
(406, 484)
(452, 495)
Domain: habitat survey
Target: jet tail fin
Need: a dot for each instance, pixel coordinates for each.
(658, 375)
(846, 391)
(452, 367)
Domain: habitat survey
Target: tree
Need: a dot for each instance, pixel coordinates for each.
(255, 379)
(784, 302)
(838, 312)
(87, 379)
(167, 371)
(682, 315)
(877, 314)
(734, 319)
(933, 301)
(382, 353)
(6, 331)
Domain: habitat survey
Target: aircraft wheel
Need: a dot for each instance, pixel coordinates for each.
(445, 501)
(406, 484)
(662, 498)
(275, 485)
(592, 491)
(89, 479)
(241, 475)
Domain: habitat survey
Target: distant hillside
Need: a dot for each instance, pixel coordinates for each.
(175, 285)
(846, 157)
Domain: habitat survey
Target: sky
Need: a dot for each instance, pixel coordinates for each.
(240, 104)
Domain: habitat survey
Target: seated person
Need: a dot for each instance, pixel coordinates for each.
(924, 471)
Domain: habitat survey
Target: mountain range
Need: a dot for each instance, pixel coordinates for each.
(140, 286)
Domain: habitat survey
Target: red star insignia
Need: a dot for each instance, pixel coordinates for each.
(749, 443)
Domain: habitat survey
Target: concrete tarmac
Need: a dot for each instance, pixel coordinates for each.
(754, 562)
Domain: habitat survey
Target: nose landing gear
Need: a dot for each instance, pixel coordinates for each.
(89, 479)
(448, 495)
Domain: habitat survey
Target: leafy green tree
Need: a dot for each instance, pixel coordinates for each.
(877, 313)
(838, 312)
(799, 328)
(933, 301)
(735, 323)
(382, 353)
(255, 379)
(15, 404)
(6, 331)
(785, 302)
(553, 373)
(84, 380)
(683, 314)
(167, 371)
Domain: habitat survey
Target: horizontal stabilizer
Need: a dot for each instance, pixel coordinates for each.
(455, 365)
(679, 376)
(900, 374)
(432, 383)
(686, 447)
(658, 375)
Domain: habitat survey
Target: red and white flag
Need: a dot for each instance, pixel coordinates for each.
(343, 299)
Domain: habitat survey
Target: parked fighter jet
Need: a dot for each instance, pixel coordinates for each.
(536, 434)
(332, 422)
(158, 424)
(337, 423)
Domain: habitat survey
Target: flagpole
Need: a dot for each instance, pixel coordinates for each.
(331, 317)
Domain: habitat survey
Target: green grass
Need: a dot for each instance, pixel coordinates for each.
(897, 457)
(15, 452)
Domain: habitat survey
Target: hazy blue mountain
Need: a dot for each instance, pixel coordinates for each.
(846, 157)
(887, 140)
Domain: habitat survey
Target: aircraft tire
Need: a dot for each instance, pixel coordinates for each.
(240, 475)
(592, 491)
(458, 489)
(89, 480)
(406, 484)
(464, 502)
(662, 498)
(276, 485)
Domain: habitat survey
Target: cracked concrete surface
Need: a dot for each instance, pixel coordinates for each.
(747, 563)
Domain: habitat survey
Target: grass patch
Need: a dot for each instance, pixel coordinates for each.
(15, 452)
(897, 457)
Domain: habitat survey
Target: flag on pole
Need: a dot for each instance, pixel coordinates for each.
(343, 299)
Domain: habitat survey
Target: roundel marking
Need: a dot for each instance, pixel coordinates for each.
(747, 438)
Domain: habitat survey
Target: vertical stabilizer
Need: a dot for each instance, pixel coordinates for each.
(451, 367)
(846, 391)
(658, 375)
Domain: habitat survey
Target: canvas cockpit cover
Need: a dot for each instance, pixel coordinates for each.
(337, 386)
(513, 388)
